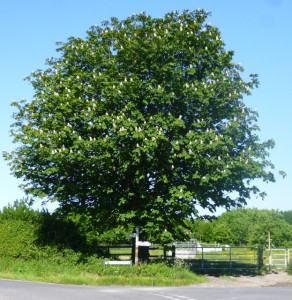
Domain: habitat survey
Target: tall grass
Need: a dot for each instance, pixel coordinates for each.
(73, 269)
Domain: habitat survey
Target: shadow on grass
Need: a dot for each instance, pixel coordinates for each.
(222, 268)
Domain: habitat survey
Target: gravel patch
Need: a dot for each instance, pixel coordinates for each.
(280, 279)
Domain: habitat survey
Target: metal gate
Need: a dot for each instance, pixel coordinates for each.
(278, 259)
(241, 259)
(186, 250)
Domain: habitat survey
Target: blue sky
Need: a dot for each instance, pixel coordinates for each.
(259, 31)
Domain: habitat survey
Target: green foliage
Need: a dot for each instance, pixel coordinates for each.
(37, 245)
(17, 238)
(116, 235)
(25, 232)
(246, 227)
(289, 268)
(202, 230)
(93, 233)
(141, 123)
(68, 270)
(288, 216)
(20, 210)
(223, 233)
(166, 238)
(54, 230)
(17, 230)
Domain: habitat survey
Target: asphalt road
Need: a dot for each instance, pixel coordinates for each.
(21, 290)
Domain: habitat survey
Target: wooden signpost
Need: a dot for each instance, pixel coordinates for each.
(137, 244)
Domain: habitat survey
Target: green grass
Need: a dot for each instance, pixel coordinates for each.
(93, 272)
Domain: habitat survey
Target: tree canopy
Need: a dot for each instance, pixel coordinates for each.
(141, 122)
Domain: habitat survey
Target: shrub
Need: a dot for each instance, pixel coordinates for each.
(289, 268)
(17, 238)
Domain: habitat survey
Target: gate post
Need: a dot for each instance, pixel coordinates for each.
(260, 257)
(270, 261)
(173, 251)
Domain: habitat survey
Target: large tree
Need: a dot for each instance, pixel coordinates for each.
(141, 122)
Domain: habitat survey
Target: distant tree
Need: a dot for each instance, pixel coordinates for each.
(288, 216)
(239, 223)
(265, 221)
(251, 227)
(223, 234)
(141, 122)
(202, 230)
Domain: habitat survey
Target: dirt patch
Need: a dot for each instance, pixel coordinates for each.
(281, 279)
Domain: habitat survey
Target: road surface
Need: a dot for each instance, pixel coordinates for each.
(23, 290)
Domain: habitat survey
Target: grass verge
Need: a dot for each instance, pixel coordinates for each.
(93, 272)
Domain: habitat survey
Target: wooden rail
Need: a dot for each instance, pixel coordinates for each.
(118, 262)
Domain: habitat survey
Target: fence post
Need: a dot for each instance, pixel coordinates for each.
(202, 258)
(270, 261)
(173, 251)
(164, 252)
(230, 258)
